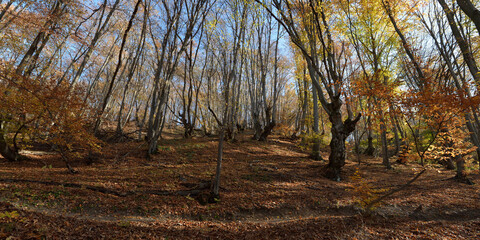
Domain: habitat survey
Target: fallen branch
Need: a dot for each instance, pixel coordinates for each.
(191, 192)
(391, 192)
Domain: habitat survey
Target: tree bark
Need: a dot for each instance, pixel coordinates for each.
(383, 130)
(5, 9)
(471, 11)
(120, 56)
(316, 130)
(340, 131)
(462, 43)
(30, 57)
(5, 150)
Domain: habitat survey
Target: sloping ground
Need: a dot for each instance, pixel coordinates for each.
(32, 225)
(269, 190)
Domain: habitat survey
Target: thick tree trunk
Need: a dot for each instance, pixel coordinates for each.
(336, 159)
(370, 149)
(469, 9)
(460, 168)
(450, 164)
(266, 131)
(461, 174)
(340, 131)
(8, 153)
(257, 126)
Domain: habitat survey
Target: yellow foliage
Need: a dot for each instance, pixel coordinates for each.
(363, 192)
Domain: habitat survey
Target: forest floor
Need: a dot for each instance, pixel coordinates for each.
(269, 190)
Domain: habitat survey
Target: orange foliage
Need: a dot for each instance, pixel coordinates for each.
(45, 111)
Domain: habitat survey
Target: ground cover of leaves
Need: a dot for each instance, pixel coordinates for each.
(270, 190)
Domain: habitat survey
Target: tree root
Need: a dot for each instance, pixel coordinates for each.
(462, 179)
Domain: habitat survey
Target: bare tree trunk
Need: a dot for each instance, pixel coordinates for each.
(462, 43)
(383, 130)
(96, 37)
(130, 74)
(5, 8)
(36, 47)
(469, 9)
(316, 130)
(11, 155)
(370, 149)
(119, 64)
(216, 185)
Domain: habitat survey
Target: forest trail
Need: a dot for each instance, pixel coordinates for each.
(268, 187)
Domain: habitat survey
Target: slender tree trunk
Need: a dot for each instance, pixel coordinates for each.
(316, 130)
(462, 43)
(216, 185)
(93, 43)
(383, 130)
(120, 56)
(396, 137)
(5, 8)
(29, 59)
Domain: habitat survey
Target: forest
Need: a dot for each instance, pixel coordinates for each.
(239, 119)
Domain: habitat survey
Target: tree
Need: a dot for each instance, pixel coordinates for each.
(223, 73)
(368, 31)
(119, 64)
(471, 11)
(332, 78)
(168, 55)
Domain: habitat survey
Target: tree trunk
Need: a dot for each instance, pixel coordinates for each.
(469, 9)
(5, 150)
(462, 43)
(397, 138)
(460, 168)
(216, 185)
(93, 43)
(340, 131)
(5, 9)
(29, 59)
(383, 130)
(316, 130)
(266, 131)
(119, 64)
(370, 149)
